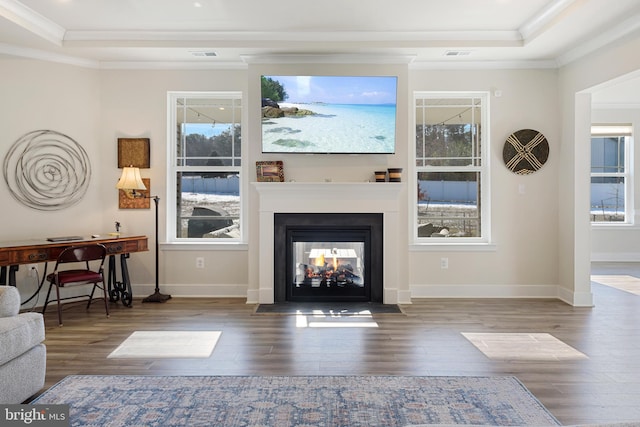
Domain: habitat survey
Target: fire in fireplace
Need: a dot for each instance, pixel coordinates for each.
(329, 268)
(328, 257)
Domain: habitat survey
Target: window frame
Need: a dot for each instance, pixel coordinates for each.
(484, 240)
(616, 131)
(173, 168)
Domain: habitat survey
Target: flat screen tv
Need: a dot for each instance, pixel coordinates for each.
(329, 114)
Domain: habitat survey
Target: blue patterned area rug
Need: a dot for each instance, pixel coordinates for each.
(354, 401)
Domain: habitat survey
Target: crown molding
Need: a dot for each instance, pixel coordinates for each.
(624, 28)
(483, 65)
(343, 58)
(172, 65)
(42, 55)
(335, 58)
(28, 19)
(532, 28)
(248, 38)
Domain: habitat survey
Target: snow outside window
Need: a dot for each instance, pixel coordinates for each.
(451, 164)
(205, 163)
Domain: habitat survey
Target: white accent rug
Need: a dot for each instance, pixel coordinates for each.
(523, 346)
(167, 344)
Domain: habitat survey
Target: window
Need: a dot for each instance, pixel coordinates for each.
(610, 173)
(451, 167)
(205, 166)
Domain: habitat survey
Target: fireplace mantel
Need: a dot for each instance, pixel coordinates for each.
(329, 197)
(376, 189)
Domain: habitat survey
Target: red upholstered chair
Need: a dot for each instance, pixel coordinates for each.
(66, 274)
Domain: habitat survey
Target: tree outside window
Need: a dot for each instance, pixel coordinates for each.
(451, 166)
(206, 165)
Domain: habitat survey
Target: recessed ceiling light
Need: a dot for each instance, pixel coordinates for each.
(197, 4)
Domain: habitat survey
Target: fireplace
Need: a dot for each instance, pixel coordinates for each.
(329, 200)
(333, 257)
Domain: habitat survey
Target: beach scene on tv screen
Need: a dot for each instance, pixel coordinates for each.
(328, 114)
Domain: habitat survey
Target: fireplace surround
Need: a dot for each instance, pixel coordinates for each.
(328, 198)
(336, 257)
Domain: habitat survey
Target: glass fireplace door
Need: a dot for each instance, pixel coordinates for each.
(326, 268)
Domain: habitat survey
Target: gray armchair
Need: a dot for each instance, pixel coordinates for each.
(22, 354)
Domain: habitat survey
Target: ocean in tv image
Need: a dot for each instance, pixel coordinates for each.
(343, 114)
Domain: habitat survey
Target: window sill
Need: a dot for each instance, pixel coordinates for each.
(208, 245)
(453, 247)
(612, 224)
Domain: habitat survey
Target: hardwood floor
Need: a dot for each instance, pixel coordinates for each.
(426, 340)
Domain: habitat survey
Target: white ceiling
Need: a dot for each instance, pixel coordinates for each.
(424, 33)
(137, 33)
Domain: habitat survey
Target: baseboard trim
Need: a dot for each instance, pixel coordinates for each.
(484, 291)
(392, 296)
(194, 290)
(615, 257)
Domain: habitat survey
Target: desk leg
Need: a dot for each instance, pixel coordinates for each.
(127, 295)
(12, 275)
(114, 295)
(119, 291)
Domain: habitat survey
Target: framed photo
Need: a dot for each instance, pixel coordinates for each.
(134, 152)
(270, 171)
(144, 202)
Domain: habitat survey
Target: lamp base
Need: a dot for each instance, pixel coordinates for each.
(157, 297)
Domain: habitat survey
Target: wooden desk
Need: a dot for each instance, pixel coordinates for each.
(16, 253)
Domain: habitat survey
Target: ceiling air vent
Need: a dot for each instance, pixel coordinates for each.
(457, 53)
(203, 53)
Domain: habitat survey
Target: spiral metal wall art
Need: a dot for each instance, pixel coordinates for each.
(47, 170)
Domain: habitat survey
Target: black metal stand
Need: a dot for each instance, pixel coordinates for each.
(119, 291)
(157, 296)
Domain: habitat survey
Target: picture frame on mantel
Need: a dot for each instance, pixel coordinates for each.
(134, 152)
(270, 171)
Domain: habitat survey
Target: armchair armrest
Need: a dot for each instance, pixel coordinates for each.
(9, 301)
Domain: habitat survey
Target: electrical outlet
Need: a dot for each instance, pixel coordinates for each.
(199, 262)
(444, 263)
(31, 269)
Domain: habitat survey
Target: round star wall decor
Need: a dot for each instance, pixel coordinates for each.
(525, 151)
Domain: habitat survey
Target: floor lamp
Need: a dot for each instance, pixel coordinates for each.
(130, 182)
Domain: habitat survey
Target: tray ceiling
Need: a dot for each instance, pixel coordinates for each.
(220, 33)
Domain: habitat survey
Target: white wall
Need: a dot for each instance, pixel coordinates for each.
(66, 99)
(533, 233)
(577, 79)
(55, 97)
(523, 261)
(134, 104)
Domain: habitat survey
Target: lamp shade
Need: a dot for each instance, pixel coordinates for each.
(130, 179)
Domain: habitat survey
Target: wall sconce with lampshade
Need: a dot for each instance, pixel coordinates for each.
(130, 182)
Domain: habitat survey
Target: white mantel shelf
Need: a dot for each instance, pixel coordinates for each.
(332, 186)
(280, 193)
(328, 197)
